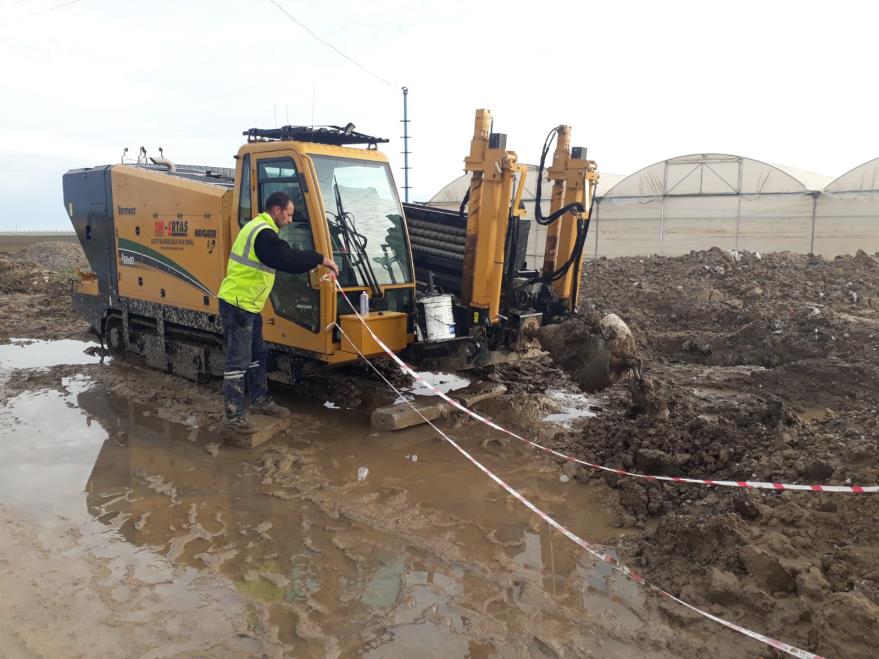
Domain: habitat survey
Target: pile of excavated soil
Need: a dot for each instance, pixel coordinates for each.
(719, 308)
(20, 276)
(35, 298)
(768, 367)
(53, 255)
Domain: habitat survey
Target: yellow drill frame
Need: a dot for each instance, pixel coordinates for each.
(494, 172)
(574, 181)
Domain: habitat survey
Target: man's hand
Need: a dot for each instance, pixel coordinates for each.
(330, 265)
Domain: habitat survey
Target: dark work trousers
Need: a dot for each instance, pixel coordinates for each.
(246, 358)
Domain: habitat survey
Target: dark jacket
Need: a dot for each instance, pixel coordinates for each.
(274, 252)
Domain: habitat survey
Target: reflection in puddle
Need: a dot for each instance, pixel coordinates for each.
(425, 558)
(572, 406)
(812, 415)
(444, 382)
(47, 449)
(24, 353)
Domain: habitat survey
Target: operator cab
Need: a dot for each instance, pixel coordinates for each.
(346, 204)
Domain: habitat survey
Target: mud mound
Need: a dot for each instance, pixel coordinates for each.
(20, 277)
(40, 267)
(594, 352)
(717, 307)
(35, 303)
(55, 256)
(744, 438)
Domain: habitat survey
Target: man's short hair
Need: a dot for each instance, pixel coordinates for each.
(277, 199)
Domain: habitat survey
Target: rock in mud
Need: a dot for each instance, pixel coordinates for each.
(599, 352)
(596, 353)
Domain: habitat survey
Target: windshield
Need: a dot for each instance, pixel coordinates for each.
(365, 220)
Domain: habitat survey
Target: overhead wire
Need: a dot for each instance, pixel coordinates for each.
(38, 12)
(326, 43)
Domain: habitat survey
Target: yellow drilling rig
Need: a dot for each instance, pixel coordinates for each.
(447, 289)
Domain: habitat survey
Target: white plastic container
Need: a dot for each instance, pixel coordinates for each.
(364, 304)
(439, 319)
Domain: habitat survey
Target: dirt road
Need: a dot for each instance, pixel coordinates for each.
(117, 493)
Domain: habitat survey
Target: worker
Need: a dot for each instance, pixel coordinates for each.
(250, 274)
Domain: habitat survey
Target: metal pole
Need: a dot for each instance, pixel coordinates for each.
(664, 194)
(814, 209)
(738, 220)
(739, 205)
(406, 186)
(661, 224)
(595, 230)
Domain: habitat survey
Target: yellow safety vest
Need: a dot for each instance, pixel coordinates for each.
(248, 282)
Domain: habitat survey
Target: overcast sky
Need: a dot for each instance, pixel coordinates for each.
(784, 82)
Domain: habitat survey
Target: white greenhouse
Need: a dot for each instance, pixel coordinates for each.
(717, 200)
(847, 214)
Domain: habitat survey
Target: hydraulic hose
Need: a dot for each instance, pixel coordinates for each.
(576, 207)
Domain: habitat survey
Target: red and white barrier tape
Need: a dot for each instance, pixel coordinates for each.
(850, 489)
(590, 548)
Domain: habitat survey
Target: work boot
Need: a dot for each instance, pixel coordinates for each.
(238, 424)
(269, 408)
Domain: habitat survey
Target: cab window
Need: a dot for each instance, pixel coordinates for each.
(245, 205)
(292, 297)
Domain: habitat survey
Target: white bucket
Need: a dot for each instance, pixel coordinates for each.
(438, 317)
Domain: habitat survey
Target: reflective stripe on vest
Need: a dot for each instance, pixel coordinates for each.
(248, 282)
(245, 258)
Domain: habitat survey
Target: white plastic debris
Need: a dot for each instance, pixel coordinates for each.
(564, 478)
(412, 458)
(815, 312)
(362, 473)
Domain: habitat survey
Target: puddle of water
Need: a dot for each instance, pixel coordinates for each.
(422, 558)
(445, 382)
(573, 406)
(25, 353)
(48, 449)
(812, 414)
(717, 394)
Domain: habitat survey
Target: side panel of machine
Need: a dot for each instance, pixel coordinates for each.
(89, 203)
(172, 237)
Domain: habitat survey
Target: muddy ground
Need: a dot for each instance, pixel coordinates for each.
(766, 367)
(769, 369)
(35, 286)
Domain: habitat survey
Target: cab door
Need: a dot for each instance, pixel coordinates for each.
(293, 316)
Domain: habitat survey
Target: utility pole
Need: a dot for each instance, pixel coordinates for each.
(406, 186)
